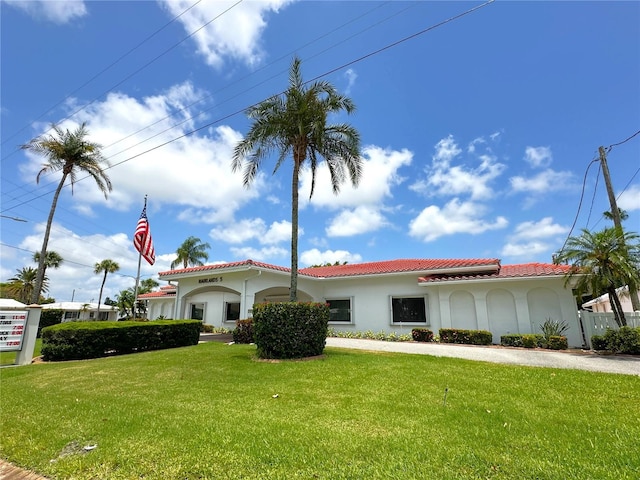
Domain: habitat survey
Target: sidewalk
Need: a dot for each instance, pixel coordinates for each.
(581, 360)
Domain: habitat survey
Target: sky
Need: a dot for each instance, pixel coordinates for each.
(480, 132)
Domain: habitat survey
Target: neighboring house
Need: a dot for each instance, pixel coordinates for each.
(11, 303)
(389, 296)
(602, 303)
(83, 311)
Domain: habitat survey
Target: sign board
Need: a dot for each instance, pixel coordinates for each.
(12, 328)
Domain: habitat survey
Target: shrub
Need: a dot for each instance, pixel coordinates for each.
(532, 340)
(557, 342)
(82, 340)
(243, 332)
(422, 335)
(290, 329)
(511, 340)
(469, 337)
(48, 318)
(206, 328)
(624, 340)
(553, 328)
(598, 342)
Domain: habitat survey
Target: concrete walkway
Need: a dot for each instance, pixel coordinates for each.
(581, 360)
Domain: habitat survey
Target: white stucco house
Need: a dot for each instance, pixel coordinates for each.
(83, 311)
(390, 296)
(602, 303)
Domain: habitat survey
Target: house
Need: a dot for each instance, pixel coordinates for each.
(83, 311)
(389, 296)
(602, 303)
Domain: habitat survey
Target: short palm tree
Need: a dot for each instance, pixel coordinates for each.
(105, 266)
(22, 285)
(192, 252)
(52, 260)
(295, 124)
(601, 262)
(71, 153)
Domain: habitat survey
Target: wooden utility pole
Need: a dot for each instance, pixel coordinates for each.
(617, 222)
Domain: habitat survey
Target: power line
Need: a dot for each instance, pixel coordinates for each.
(237, 112)
(623, 141)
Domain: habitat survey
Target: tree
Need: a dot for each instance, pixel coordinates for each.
(52, 260)
(71, 153)
(147, 285)
(191, 252)
(125, 302)
(601, 262)
(106, 266)
(22, 285)
(295, 124)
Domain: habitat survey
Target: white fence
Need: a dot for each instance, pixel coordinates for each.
(597, 323)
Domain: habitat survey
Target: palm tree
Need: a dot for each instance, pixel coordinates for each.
(106, 266)
(52, 259)
(23, 284)
(295, 124)
(147, 285)
(191, 252)
(601, 262)
(71, 153)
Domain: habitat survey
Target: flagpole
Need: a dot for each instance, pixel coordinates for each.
(135, 294)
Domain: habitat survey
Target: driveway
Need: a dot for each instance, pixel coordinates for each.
(581, 360)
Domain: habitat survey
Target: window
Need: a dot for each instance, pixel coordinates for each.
(197, 311)
(70, 315)
(409, 309)
(339, 310)
(232, 311)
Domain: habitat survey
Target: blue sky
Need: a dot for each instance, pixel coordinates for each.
(476, 134)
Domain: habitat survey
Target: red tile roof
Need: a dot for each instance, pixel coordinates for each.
(420, 265)
(219, 266)
(524, 270)
(161, 293)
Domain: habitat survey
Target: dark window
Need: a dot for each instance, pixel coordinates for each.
(339, 310)
(197, 311)
(232, 311)
(409, 309)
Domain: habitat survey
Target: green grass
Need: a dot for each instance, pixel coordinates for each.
(9, 358)
(208, 412)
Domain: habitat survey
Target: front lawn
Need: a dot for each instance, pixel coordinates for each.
(9, 358)
(212, 412)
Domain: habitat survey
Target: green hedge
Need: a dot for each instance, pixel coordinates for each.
(243, 333)
(422, 335)
(49, 317)
(511, 340)
(532, 340)
(82, 340)
(468, 337)
(290, 329)
(625, 340)
(557, 342)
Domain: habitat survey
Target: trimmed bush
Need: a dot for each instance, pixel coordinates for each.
(243, 332)
(598, 342)
(532, 340)
(625, 340)
(557, 342)
(422, 335)
(511, 340)
(49, 318)
(468, 337)
(290, 329)
(82, 340)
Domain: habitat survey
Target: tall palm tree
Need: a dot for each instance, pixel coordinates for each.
(191, 252)
(23, 284)
(71, 153)
(52, 259)
(295, 124)
(601, 262)
(106, 266)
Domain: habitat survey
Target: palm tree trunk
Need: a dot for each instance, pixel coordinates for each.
(104, 279)
(35, 296)
(616, 307)
(293, 292)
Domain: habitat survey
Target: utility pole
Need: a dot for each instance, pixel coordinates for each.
(617, 222)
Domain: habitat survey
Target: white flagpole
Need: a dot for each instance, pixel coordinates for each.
(135, 294)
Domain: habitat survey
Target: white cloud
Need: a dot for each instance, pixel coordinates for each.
(379, 175)
(533, 238)
(193, 172)
(546, 181)
(58, 11)
(362, 219)
(538, 157)
(629, 200)
(351, 77)
(456, 217)
(316, 257)
(226, 29)
(265, 254)
(254, 229)
(443, 178)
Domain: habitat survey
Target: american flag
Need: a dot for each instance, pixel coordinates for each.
(142, 238)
